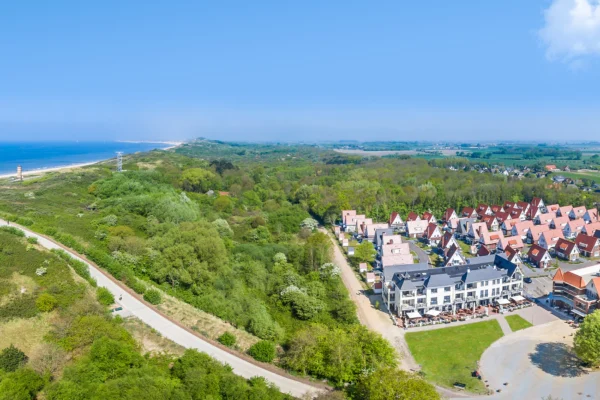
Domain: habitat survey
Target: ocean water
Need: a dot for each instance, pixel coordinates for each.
(40, 155)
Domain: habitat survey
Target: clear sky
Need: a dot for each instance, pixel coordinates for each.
(303, 70)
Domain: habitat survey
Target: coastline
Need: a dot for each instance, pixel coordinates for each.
(41, 171)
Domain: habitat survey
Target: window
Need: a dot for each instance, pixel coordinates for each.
(447, 289)
(434, 301)
(433, 290)
(481, 293)
(446, 299)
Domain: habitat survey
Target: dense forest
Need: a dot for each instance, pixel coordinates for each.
(229, 229)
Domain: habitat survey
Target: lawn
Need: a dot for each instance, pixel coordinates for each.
(516, 322)
(450, 355)
(465, 248)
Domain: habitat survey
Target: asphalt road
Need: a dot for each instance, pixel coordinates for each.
(176, 333)
(423, 257)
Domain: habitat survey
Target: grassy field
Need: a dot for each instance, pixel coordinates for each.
(592, 175)
(516, 322)
(450, 355)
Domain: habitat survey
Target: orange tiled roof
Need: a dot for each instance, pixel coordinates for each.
(574, 280)
(558, 276)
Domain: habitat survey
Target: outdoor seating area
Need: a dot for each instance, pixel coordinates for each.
(414, 319)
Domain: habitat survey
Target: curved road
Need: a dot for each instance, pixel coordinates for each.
(423, 257)
(173, 331)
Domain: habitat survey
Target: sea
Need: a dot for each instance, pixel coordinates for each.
(42, 155)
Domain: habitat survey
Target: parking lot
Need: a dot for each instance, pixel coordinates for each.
(539, 287)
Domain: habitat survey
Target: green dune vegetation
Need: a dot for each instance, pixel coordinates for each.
(230, 239)
(58, 343)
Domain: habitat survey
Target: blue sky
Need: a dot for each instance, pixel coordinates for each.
(270, 70)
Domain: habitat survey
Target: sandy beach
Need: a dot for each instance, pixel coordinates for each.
(64, 168)
(41, 171)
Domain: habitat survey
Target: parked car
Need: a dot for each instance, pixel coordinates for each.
(527, 280)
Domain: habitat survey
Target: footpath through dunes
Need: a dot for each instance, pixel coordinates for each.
(185, 337)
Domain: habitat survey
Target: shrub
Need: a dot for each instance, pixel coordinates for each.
(109, 220)
(13, 230)
(153, 296)
(21, 307)
(24, 221)
(80, 267)
(263, 351)
(21, 384)
(137, 286)
(104, 296)
(227, 339)
(46, 302)
(12, 358)
(32, 240)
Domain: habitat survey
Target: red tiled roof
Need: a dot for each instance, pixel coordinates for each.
(412, 216)
(596, 282)
(448, 214)
(536, 253)
(392, 217)
(430, 230)
(483, 251)
(586, 243)
(467, 211)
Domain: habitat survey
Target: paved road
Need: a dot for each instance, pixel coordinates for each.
(423, 257)
(176, 333)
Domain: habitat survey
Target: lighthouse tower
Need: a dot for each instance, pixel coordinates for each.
(19, 173)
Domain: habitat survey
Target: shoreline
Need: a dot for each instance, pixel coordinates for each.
(41, 171)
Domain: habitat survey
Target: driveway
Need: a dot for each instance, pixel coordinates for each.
(423, 256)
(535, 363)
(177, 333)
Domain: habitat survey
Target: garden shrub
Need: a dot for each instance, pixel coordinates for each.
(263, 351)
